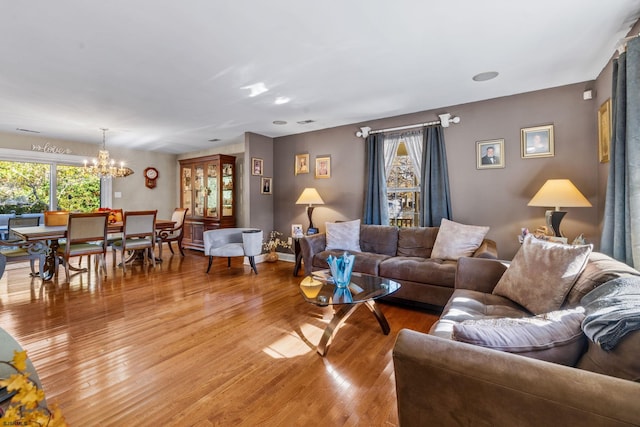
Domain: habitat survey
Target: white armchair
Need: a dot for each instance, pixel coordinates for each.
(232, 242)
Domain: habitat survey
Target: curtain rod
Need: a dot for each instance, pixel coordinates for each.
(622, 44)
(445, 120)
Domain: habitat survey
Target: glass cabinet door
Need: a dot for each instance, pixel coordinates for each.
(187, 193)
(199, 191)
(227, 189)
(212, 190)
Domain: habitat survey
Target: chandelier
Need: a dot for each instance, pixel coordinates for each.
(105, 167)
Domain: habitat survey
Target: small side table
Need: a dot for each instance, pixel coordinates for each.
(297, 251)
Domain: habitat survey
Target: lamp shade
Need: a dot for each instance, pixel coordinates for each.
(557, 193)
(310, 197)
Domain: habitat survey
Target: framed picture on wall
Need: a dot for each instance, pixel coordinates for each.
(604, 131)
(256, 166)
(302, 164)
(323, 167)
(490, 154)
(537, 141)
(266, 186)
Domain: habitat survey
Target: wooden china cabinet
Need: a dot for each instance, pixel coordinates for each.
(207, 190)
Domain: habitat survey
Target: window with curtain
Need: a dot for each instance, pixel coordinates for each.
(402, 169)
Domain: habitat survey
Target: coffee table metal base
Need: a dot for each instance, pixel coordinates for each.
(341, 315)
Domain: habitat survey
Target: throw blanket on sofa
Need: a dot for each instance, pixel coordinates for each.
(611, 311)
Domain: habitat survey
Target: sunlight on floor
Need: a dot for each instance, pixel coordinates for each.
(292, 345)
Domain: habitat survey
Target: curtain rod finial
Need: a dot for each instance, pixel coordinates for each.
(363, 132)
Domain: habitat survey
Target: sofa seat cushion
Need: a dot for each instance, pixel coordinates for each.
(367, 263)
(466, 304)
(554, 337)
(421, 270)
(622, 361)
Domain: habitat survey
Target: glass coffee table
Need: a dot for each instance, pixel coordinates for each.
(364, 289)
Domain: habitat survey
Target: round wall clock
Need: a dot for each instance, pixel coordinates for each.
(150, 176)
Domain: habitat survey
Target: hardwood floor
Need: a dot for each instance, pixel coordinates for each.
(175, 346)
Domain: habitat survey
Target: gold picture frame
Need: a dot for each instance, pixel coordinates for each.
(302, 164)
(537, 142)
(490, 154)
(266, 186)
(323, 167)
(604, 131)
(257, 166)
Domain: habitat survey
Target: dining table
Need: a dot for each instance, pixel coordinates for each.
(53, 233)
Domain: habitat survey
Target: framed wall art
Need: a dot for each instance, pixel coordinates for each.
(490, 154)
(323, 167)
(302, 164)
(266, 186)
(604, 131)
(256, 166)
(296, 230)
(537, 141)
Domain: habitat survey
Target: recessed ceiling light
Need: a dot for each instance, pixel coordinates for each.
(279, 122)
(305, 122)
(482, 77)
(214, 140)
(27, 130)
(282, 100)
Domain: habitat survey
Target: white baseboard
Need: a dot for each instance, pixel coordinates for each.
(281, 257)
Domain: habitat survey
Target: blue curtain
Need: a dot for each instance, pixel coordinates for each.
(436, 198)
(375, 200)
(621, 229)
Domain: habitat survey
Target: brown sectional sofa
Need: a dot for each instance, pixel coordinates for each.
(401, 254)
(445, 382)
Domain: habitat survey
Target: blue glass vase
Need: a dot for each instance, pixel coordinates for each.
(341, 268)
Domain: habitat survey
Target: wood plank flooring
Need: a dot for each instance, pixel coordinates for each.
(173, 346)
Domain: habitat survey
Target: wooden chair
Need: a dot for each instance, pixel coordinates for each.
(175, 234)
(138, 233)
(86, 235)
(15, 249)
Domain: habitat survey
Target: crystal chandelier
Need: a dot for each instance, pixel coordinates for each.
(105, 167)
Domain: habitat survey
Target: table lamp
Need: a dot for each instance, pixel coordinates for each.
(556, 193)
(311, 197)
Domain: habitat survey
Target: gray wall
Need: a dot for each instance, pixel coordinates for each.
(258, 208)
(495, 197)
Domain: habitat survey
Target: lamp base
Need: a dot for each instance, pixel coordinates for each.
(553, 221)
(309, 213)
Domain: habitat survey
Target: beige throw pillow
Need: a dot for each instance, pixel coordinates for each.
(554, 337)
(542, 273)
(456, 240)
(343, 235)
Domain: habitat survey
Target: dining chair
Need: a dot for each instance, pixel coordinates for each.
(17, 250)
(86, 235)
(138, 233)
(175, 234)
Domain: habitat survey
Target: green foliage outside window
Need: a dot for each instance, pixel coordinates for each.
(25, 188)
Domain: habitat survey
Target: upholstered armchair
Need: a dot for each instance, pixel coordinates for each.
(233, 242)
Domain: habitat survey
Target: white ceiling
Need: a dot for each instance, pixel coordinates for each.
(170, 75)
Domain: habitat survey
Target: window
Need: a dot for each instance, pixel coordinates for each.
(27, 187)
(403, 189)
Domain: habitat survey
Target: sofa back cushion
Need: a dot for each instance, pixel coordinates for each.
(599, 269)
(379, 239)
(416, 241)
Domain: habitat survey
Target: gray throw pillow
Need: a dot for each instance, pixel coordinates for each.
(542, 273)
(343, 235)
(554, 337)
(456, 240)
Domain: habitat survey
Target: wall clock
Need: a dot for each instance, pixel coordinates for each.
(150, 177)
